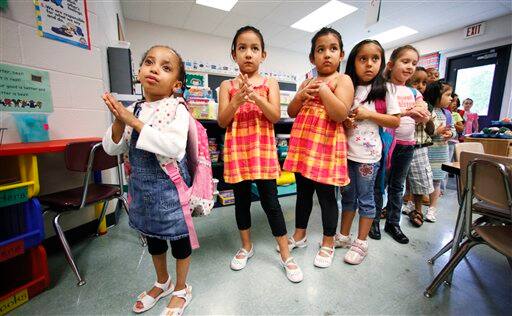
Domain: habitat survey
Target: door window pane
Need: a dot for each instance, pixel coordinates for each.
(476, 83)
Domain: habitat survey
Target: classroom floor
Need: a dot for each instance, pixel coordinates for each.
(391, 280)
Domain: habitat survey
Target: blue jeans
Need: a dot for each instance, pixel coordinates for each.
(400, 164)
(359, 193)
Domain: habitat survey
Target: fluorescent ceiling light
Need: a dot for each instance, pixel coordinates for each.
(326, 14)
(225, 5)
(394, 34)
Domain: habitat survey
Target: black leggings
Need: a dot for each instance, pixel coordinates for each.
(180, 248)
(268, 197)
(304, 205)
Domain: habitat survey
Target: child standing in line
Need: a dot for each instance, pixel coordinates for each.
(399, 70)
(154, 133)
(432, 75)
(318, 152)
(470, 118)
(365, 65)
(438, 94)
(248, 108)
(420, 175)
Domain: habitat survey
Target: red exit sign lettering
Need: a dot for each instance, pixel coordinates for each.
(474, 30)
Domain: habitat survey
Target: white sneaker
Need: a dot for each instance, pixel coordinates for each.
(357, 252)
(342, 241)
(292, 244)
(408, 208)
(294, 275)
(431, 214)
(321, 261)
(240, 263)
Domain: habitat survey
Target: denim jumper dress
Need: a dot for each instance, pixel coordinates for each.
(155, 208)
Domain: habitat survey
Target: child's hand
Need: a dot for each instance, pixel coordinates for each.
(418, 112)
(420, 104)
(121, 114)
(309, 91)
(442, 129)
(349, 122)
(447, 135)
(362, 113)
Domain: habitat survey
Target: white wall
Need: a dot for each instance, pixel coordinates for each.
(78, 77)
(208, 48)
(498, 32)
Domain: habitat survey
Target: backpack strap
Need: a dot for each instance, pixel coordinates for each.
(414, 92)
(137, 107)
(380, 106)
(184, 193)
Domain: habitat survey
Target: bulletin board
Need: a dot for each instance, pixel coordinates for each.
(429, 61)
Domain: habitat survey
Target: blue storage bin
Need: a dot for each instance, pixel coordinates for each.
(32, 127)
(28, 233)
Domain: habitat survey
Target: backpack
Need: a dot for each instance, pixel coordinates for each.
(387, 136)
(198, 198)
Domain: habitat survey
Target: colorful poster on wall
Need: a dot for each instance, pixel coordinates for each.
(197, 80)
(24, 89)
(63, 20)
(429, 61)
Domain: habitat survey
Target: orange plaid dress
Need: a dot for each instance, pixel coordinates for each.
(250, 145)
(318, 147)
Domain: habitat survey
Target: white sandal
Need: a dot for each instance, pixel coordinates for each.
(321, 261)
(294, 275)
(238, 264)
(185, 294)
(148, 301)
(292, 244)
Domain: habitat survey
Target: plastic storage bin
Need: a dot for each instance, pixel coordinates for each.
(22, 227)
(32, 127)
(23, 278)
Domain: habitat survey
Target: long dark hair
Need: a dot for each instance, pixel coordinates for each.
(379, 89)
(434, 91)
(322, 32)
(240, 31)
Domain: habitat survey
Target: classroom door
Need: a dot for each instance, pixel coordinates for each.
(481, 76)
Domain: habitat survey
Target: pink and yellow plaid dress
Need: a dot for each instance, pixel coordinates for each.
(250, 145)
(318, 147)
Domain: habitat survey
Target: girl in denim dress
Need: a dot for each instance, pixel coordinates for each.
(154, 133)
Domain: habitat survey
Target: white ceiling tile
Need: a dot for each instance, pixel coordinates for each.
(169, 13)
(231, 24)
(255, 9)
(269, 29)
(300, 46)
(400, 8)
(135, 10)
(289, 35)
(289, 12)
(204, 19)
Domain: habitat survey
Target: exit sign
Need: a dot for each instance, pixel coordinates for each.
(474, 30)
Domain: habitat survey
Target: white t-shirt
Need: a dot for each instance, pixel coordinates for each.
(406, 101)
(364, 144)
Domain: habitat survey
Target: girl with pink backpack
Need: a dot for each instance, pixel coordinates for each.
(166, 151)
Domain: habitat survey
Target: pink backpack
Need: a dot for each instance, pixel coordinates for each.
(199, 196)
